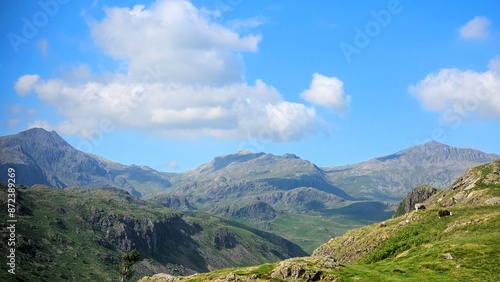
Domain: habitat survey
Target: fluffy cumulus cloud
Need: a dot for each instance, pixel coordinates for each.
(25, 84)
(461, 93)
(477, 28)
(176, 36)
(183, 78)
(328, 92)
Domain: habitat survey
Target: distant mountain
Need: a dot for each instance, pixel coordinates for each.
(284, 172)
(281, 194)
(42, 157)
(389, 178)
(266, 191)
(78, 234)
(45, 158)
(417, 246)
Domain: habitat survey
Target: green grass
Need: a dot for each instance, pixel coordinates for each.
(414, 251)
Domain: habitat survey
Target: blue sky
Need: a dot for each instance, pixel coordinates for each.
(172, 83)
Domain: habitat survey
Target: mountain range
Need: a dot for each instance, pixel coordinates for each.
(391, 177)
(281, 194)
(43, 157)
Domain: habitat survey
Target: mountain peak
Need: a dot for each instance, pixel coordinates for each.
(248, 165)
(434, 151)
(244, 152)
(38, 131)
(433, 143)
(35, 138)
(44, 157)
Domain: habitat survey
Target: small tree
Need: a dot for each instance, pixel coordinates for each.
(124, 268)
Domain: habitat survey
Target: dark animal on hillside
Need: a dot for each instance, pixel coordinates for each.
(442, 213)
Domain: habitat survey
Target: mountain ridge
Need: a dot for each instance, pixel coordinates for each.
(380, 178)
(390, 177)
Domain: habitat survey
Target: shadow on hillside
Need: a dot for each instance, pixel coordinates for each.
(307, 181)
(370, 211)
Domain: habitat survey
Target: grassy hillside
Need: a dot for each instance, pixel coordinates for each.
(417, 246)
(78, 234)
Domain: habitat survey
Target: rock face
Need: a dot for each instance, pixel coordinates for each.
(475, 186)
(415, 197)
(161, 277)
(258, 210)
(225, 239)
(293, 271)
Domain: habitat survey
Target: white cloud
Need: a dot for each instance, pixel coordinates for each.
(477, 28)
(231, 111)
(176, 36)
(455, 92)
(328, 92)
(26, 83)
(183, 79)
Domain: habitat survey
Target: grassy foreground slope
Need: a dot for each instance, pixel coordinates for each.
(417, 246)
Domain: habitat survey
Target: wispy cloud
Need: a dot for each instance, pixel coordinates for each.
(172, 165)
(245, 24)
(43, 46)
(13, 122)
(477, 28)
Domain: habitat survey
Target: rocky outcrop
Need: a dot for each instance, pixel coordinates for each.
(472, 188)
(290, 271)
(256, 211)
(161, 277)
(224, 238)
(302, 269)
(415, 197)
